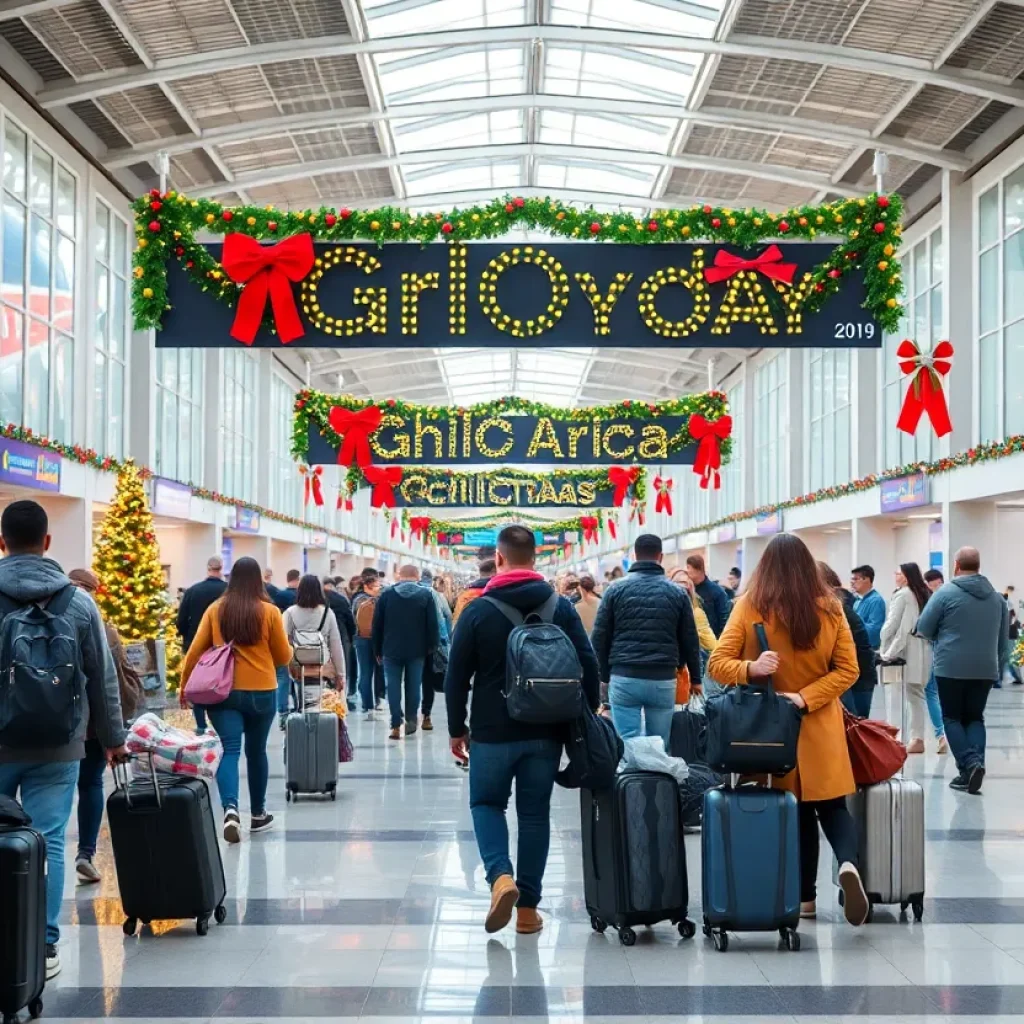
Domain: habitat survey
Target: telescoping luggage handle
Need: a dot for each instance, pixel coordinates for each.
(121, 780)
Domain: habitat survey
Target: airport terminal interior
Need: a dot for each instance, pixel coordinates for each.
(348, 288)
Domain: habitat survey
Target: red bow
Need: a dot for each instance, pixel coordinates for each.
(925, 394)
(664, 500)
(622, 479)
(383, 480)
(637, 512)
(355, 428)
(769, 263)
(613, 527)
(709, 451)
(267, 270)
(313, 487)
(394, 528)
(419, 525)
(589, 526)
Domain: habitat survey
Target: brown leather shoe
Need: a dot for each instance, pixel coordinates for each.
(427, 725)
(528, 921)
(915, 747)
(504, 896)
(395, 734)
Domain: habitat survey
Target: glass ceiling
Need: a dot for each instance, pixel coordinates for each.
(532, 148)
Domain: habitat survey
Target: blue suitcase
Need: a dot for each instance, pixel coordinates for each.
(750, 869)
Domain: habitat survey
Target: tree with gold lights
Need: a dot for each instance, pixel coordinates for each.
(131, 596)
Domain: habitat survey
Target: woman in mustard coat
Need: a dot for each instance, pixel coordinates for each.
(812, 661)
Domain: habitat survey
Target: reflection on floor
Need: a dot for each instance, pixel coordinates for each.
(373, 907)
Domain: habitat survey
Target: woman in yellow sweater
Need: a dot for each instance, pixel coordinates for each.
(245, 617)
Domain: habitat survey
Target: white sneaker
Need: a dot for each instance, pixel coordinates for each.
(856, 905)
(86, 870)
(52, 962)
(232, 826)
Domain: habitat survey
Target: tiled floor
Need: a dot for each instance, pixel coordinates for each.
(373, 907)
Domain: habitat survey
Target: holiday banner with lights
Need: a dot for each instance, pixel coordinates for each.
(342, 430)
(702, 275)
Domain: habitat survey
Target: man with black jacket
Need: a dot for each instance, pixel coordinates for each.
(505, 750)
(715, 598)
(644, 631)
(194, 603)
(338, 603)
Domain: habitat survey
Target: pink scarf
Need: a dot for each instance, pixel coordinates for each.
(506, 579)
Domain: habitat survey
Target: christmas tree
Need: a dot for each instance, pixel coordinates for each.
(126, 559)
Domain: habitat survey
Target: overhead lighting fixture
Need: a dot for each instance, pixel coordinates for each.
(926, 515)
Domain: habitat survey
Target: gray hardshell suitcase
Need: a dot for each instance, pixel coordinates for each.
(311, 753)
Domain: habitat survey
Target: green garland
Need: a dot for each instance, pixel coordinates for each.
(989, 451)
(572, 525)
(167, 225)
(314, 407)
(354, 478)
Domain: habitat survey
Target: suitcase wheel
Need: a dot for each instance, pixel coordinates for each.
(130, 925)
(790, 939)
(334, 794)
(202, 926)
(721, 940)
(220, 914)
(627, 937)
(597, 924)
(288, 796)
(35, 1008)
(687, 929)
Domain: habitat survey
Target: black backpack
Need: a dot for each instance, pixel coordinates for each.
(594, 749)
(543, 675)
(41, 689)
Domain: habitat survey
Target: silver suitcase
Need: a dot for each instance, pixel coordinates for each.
(311, 748)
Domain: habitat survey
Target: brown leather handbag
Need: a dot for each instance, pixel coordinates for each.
(875, 753)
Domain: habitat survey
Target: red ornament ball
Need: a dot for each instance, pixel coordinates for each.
(330, 220)
(834, 273)
(345, 213)
(155, 193)
(189, 265)
(271, 225)
(707, 209)
(716, 222)
(154, 225)
(390, 403)
(520, 202)
(227, 215)
(783, 226)
(879, 228)
(595, 228)
(447, 228)
(652, 225)
(819, 287)
(883, 201)
(627, 403)
(509, 207)
(179, 250)
(156, 205)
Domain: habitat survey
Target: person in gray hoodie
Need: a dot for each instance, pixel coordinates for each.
(46, 776)
(967, 622)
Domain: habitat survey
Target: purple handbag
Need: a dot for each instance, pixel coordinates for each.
(213, 677)
(346, 752)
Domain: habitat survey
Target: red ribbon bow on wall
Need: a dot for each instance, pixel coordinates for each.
(710, 436)
(613, 527)
(419, 525)
(622, 479)
(589, 525)
(664, 500)
(313, 487)
(925, 394)
(355, 428)
(383, 480)
(768, 263)
(267, 270)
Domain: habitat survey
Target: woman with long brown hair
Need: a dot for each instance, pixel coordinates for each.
(246, 618)
(812, 661)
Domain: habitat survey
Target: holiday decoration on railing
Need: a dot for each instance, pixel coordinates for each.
(623, 479)
(613, 525)
(383, 480)
(925, 396)
(312, 486)
(441, 531)
(169, 224)
(712, 437)
(419, 525)
(353, 428)
(663, 490)
(590, 526)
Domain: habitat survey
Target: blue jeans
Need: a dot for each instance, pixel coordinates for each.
(412, 670)
(248, 713)
(656, 698)
(200, 715)
(364, 653)
(284, 688)
(492, 767)
(931, 697)
(47, 793)
(858, 702)
(90, 797)
(963, 713)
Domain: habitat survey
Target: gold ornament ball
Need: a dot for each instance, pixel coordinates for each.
(147, 293)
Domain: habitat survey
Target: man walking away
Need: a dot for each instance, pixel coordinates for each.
(405, 631)
(194, 603)
(505, 750)
(644, 631)
(869, 603)
(284, 598)
(717, 603)
(44, 768)
(486, 569)
(444, 629)
(339, 604)
(268, 582)
(968, 623)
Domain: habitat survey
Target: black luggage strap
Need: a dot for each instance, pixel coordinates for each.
(544, 612)
(762, 643)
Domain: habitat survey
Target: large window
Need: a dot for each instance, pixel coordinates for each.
(1000, 391)
(239, 428)
(111, 329)
(37, 285)
(771, 432)
(827, 417)
(179, 413)
(285, 482)
(922, 269)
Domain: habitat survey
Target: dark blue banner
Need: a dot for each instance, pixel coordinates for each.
(426, 489)
(488, 294)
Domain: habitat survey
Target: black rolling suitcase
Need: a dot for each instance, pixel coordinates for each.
(166, 851)
(634, 861)
(22, 917)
